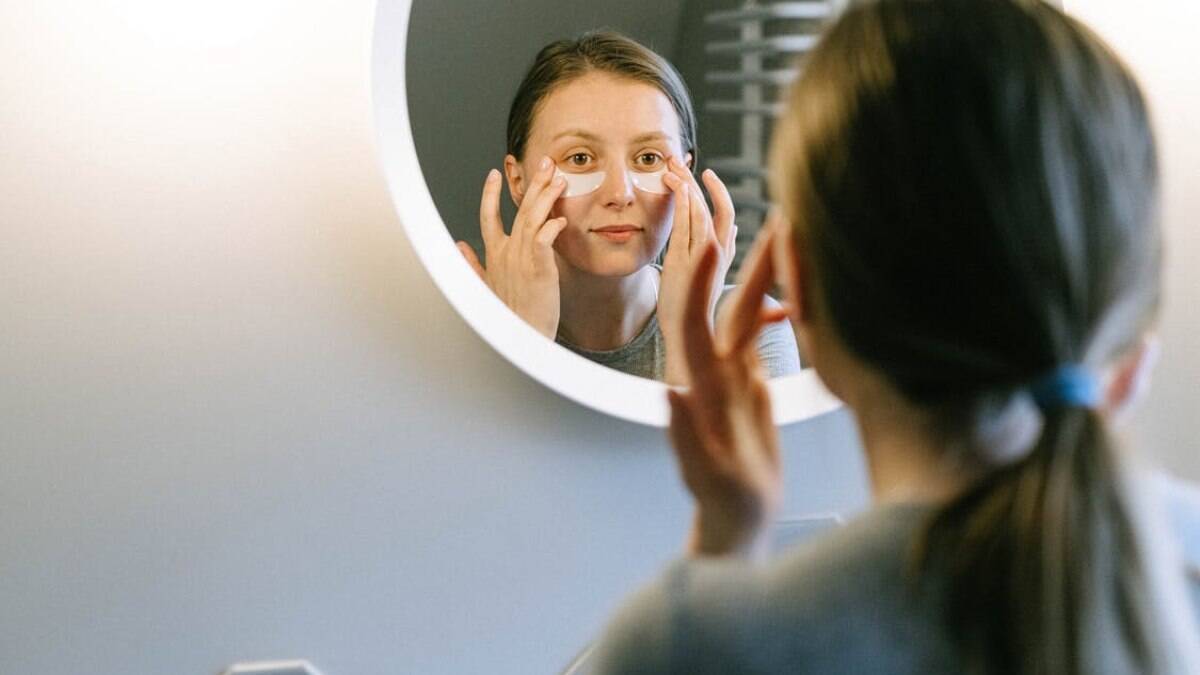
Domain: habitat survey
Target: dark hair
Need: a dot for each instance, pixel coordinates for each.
(976, 184)
(605, 51)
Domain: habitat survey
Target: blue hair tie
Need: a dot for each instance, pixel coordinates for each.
(1067, 386)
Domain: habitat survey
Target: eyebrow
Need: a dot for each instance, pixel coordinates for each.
(588, 136)
(579, 133)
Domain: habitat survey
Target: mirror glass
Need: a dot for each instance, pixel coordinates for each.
(587, 266)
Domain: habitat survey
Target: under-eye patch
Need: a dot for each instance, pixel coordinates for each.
(579, 184)
(651, 182)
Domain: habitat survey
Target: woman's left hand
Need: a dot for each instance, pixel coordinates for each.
(693, 228)
(721, 428)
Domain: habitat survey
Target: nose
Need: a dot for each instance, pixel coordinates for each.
(618, 187)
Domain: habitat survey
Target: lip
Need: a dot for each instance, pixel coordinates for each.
(617, 228)
(617, 233)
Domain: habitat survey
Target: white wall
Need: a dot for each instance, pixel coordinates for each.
(236, 419)
(1158, 38)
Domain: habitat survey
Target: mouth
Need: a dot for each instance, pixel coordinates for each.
(617, 233)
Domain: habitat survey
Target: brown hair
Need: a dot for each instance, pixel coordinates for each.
(605, 51)
(976, 184)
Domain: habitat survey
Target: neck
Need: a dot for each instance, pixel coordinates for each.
(906, 456)
(604, 313)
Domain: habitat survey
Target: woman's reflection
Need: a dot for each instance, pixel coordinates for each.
(601, 142)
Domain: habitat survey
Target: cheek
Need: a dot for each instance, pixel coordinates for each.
(658, 209)
(573, 209)
(659, 213)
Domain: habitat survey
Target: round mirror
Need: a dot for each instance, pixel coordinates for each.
(683, 80)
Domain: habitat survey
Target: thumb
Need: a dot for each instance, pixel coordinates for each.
(544, 240)
(473, 260)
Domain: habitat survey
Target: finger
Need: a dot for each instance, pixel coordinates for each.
(550, 231)
(681, 235)
(723, 210)
(472, 259)
(538, 215)
(699, 353)
(741, 318)
(543, 243)
(731, 243)
(490, 225)
(761, 246)
(539, 211)
(538, 183)
(681, 171)
(686, 441)
(700, 219)
(773, 314)
(760, 403)
(701, 222)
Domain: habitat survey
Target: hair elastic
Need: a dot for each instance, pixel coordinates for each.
(1068, 385)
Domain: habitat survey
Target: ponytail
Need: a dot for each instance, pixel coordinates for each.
(1028, 237)
(1042, 566)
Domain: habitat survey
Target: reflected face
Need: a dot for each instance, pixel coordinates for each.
(625, 129)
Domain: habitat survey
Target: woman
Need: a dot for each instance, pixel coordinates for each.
(601, 140)
(972, 263)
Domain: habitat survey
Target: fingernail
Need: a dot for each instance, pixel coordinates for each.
(493, 175)
(560, 181)
(545, 163)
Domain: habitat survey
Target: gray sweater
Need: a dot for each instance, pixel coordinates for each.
(839, 604)
(646, 354)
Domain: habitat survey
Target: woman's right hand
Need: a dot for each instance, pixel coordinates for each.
(521, 269)
(693, 226)
(721, 427)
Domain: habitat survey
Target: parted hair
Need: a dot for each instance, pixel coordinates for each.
(564, 61)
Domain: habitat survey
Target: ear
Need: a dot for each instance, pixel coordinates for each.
(1129, 377)
(516, 179)
(688, 162)
(791, 267)
(791, 274)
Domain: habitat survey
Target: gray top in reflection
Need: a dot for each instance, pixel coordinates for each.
(646, 354)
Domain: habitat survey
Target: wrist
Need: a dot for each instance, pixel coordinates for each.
(729, 532)
(675, 370)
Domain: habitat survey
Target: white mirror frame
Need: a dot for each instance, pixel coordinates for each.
(794, 397)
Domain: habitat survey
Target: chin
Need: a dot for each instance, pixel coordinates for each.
(611, 264)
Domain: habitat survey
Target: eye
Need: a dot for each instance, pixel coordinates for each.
(649, 160)
(578, 159)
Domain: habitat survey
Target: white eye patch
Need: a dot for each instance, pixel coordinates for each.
(579, 184)
(651, 182)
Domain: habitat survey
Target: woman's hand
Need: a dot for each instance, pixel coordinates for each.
(721, 428)
(692, 229)
(521, 269)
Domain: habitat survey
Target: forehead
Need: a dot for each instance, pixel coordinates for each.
(610, 107)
